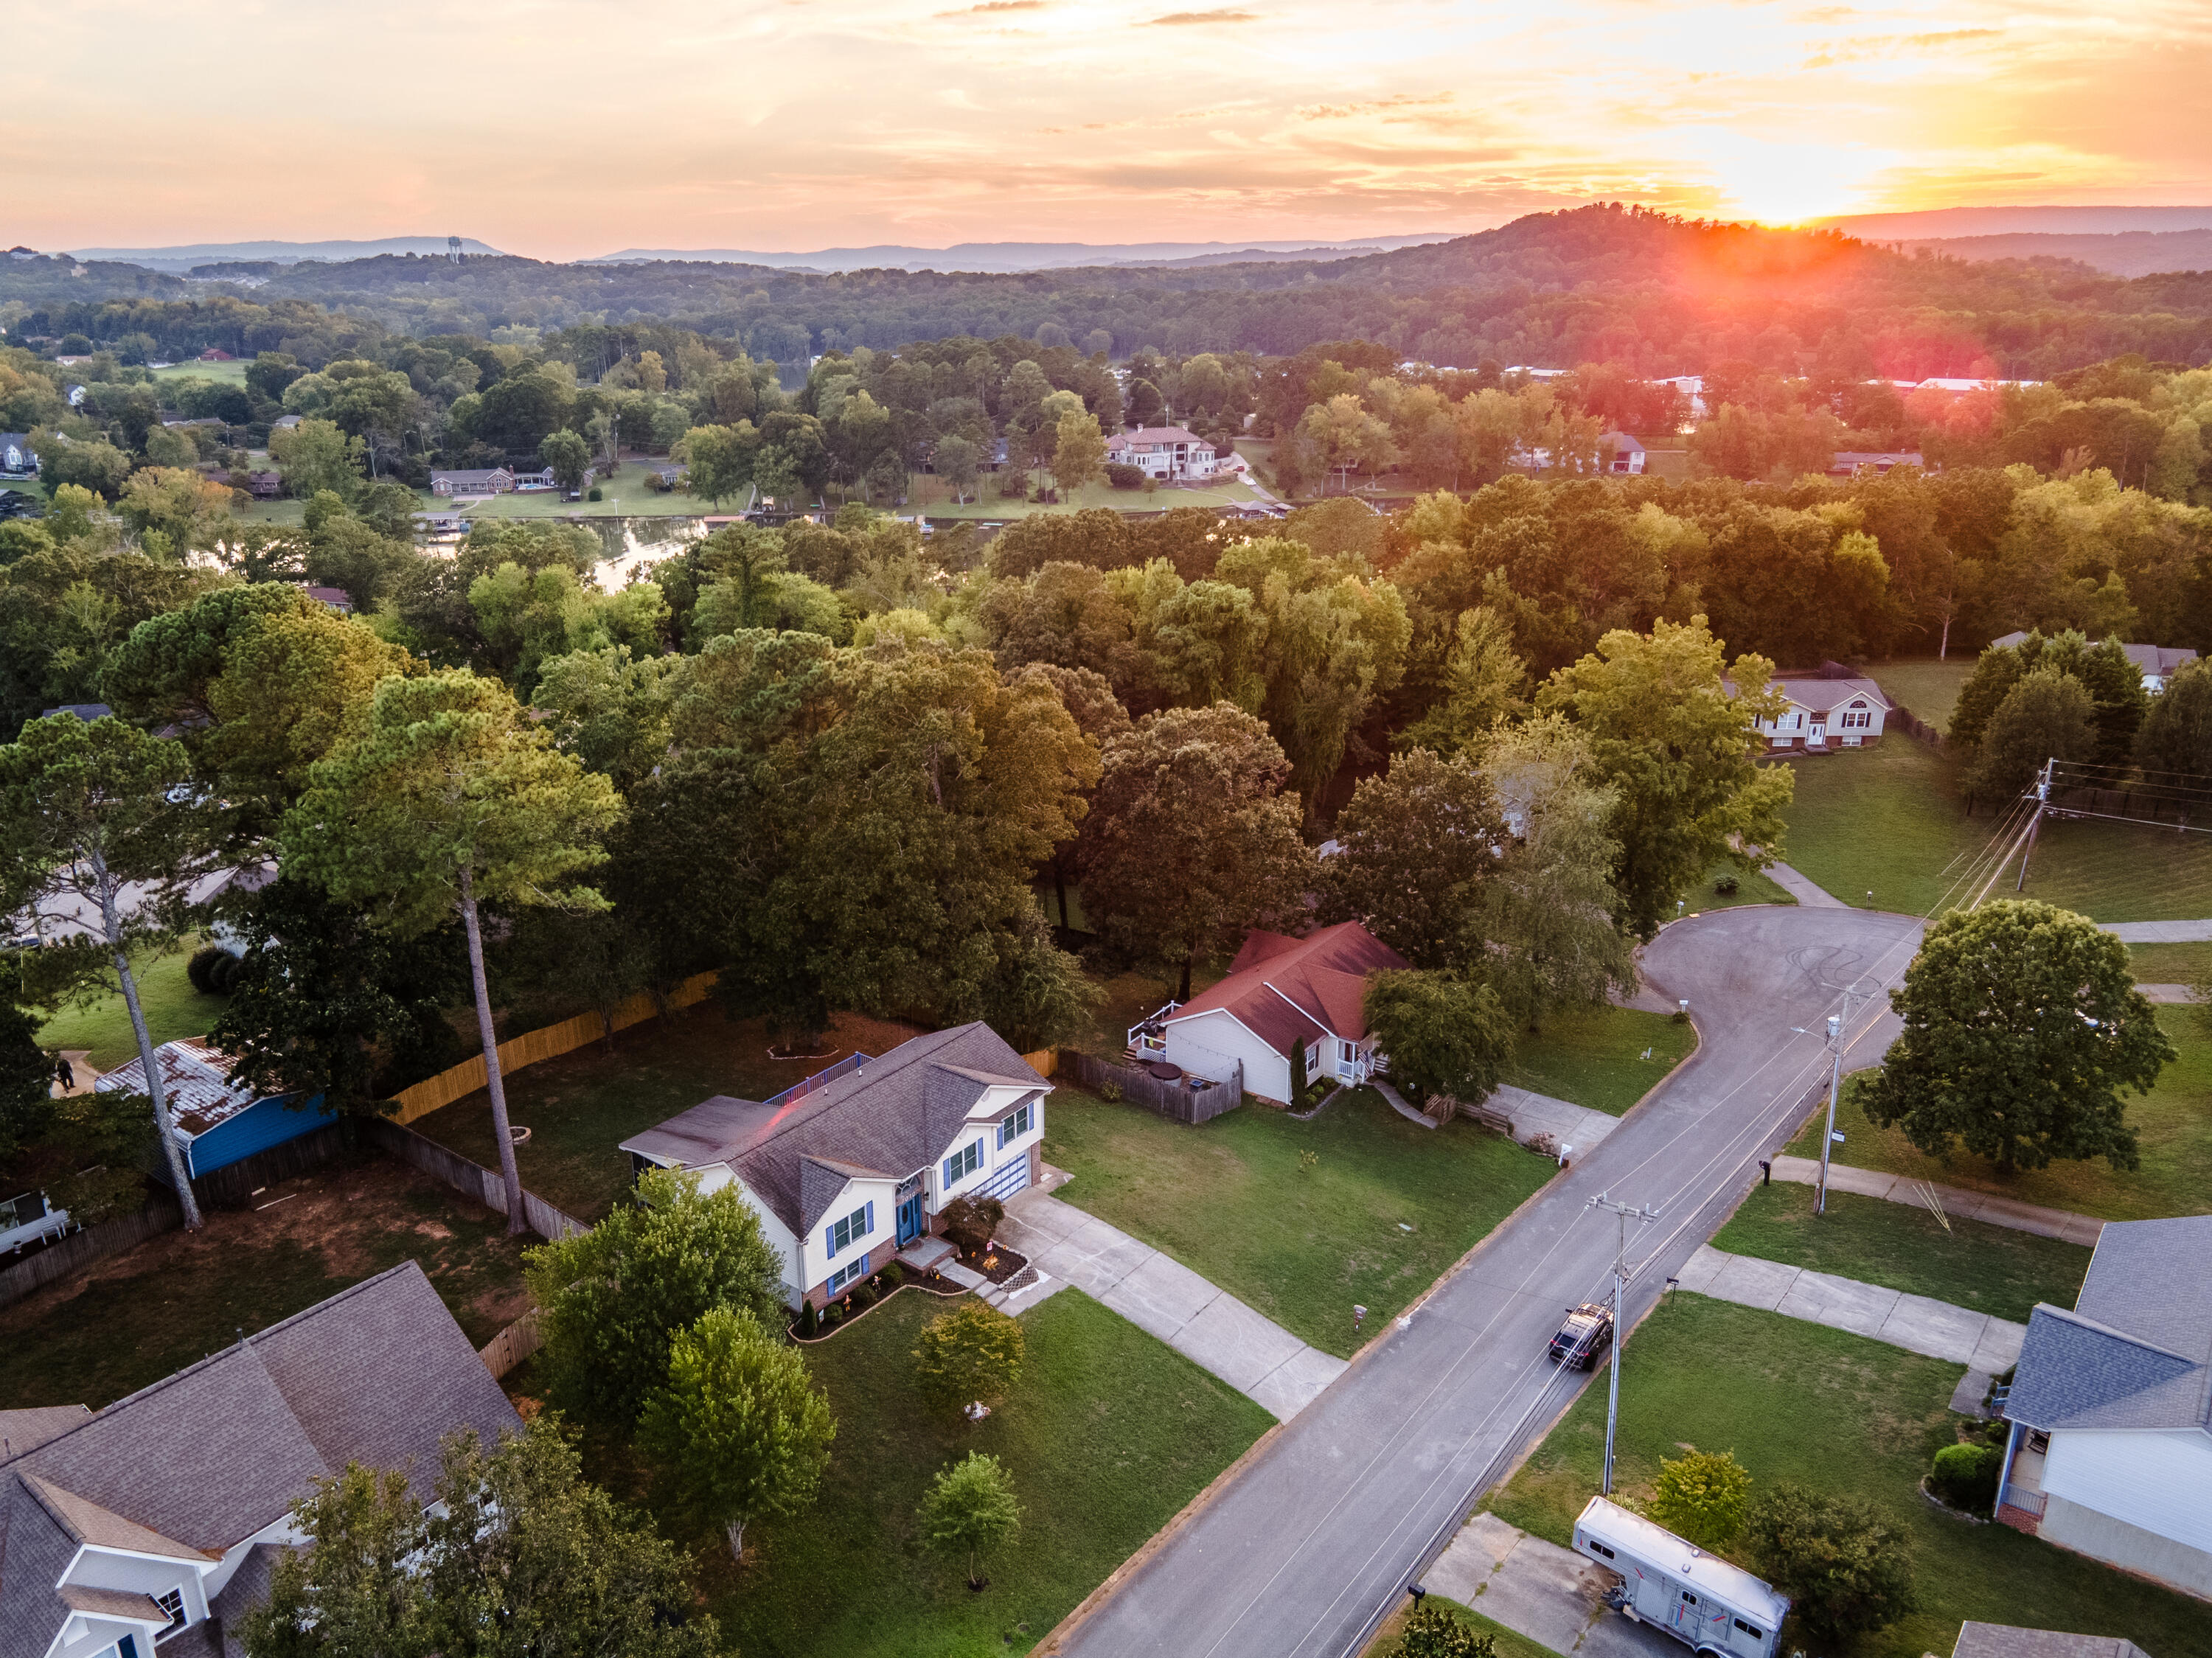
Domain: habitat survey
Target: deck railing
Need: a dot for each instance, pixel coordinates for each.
(844, 1067)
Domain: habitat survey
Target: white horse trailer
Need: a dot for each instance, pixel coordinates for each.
(1698, 1598)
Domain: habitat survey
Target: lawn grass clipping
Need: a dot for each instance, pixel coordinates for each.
(134, 1318)
(1836, 1412)
(1108, 1433)
(2173, 1132)
(1988, 1269)
(1594, 1057)
(1230, 1201)
(173, 1009)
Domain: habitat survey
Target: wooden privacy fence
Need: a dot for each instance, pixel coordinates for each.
(511, 1345)
(1177, 1099)
(1913, 726)
(548, 1042)
(81, 1248)
(469, 1178)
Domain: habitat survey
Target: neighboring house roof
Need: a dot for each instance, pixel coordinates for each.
(1823, 696)
(2136, 1349)
(2157, 660)
(1849, 460)
(86, 711)
(18, 440)
(472, 477)
(200, 1460)
(890, 1118)
(285, 422)
(26, 1430)
(2005, 1641)
(1288, 990)
(1623, 443)
(1144, 434)
(337, 597)
(195, 1081)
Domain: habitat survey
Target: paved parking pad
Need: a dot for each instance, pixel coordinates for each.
(1164, 1298)
(1915, 1323)
(1540, 1590)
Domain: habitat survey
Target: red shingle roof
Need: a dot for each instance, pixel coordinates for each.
(1288, 991)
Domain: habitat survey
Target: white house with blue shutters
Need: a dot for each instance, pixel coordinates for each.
(853, 1165)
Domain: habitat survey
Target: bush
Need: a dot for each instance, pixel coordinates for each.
(594, 494)
(1124, 477)
(1433, 1632)
(863, 1296)
(1965, 1475)
(222, 973)
(810, 1321)
(1726, 886)
(892, 1276)
(201, 967)
(970, 1222)
(1702, 1495)
(970, 1354)
(832, 1316)
(1847, 1566)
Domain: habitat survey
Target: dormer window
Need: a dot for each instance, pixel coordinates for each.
(172, 1602)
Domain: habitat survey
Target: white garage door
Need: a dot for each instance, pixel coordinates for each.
(1014, 1178)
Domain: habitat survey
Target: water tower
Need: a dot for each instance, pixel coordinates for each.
(453, 250)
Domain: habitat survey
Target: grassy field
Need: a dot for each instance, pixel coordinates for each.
(2121, 871)
(232, 373)
(172, 1006)
(1385, 1207)
(2169, 964)
(1595, 1057)
(581, 1107)
(1108, 1433)
(1990, 1269)
(1506, 1643)
(1931, 689)
(135, 1317)
(1750, 889)
(2173, 1125)
(1886, 821)
(1804, 1403)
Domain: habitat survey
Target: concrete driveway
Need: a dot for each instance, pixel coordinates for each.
(1314, 1537)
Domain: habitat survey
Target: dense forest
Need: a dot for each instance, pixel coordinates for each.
(1661, 295)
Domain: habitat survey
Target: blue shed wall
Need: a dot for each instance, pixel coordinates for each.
(260, 1125)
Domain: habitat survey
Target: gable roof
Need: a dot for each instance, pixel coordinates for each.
(2136, 1349)
(2159, 660)
(195, 1080)
(1819, 696)
(888, 1119)
(1157, 434)
(1289, 990)
(26, 1430)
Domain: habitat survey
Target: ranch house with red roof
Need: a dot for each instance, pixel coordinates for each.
(1281, 995)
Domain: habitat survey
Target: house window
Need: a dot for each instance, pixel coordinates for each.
(845, 1275)
(1348, 1052)
(964, 1162)
(844, 1234)
(172, 1602)
(1017, 1126)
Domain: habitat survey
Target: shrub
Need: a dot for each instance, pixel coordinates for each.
(1847, 1567)
(1702, 1497)
(1434, 1632)
(201, 967)
(222, 973)
(892, 1276)
(970, 1222)
(1726, 886)
(832, 1316)
(809, 1320)
(1965, 1475)
(971, 1355)
(1123, 477)
(863, 1296)
(594, 494)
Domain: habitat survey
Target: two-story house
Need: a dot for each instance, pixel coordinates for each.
(846, 1172)
(1823, 715)
(143, 1529)
(1284, 999)
(1164, 451)
(17, 458)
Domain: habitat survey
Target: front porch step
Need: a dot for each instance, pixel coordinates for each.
(925, 1254)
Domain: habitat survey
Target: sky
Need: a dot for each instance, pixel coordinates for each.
(562, 129)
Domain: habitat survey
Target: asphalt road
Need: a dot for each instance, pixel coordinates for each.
(1315, 1540)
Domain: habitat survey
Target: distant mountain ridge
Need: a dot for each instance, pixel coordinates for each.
(1006, 259)
(176, 261)
(1947, 223)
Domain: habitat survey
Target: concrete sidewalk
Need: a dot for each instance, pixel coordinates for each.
(1959, 1204)
(1540, 1590)
(1204, 1323)
(1806, 890)
(2159, 932)
(1915, 1323)
(1570, 1124)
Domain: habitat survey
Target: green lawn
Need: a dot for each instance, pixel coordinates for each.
(1802, 1402)
(1506, 1643)
(1990, 1269)
(132, 1319)
(1751, 887)
(1594, 1057)
(1107, 1436)
(172, 1006)
(232, 372)
(1931, 689)
(2169, 964)
(581, 1107)
(2173, 1125)
(2121, 871)
(1884, 820)
(1388, 1206)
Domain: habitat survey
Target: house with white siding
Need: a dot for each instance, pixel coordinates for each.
(17, 458)
(1283, 999)
(1822, 716)
(1164, 451)
(148, 1528)
(852, 1166)
(2110, 1407)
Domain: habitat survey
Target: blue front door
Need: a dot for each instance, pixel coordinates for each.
(910, 1220)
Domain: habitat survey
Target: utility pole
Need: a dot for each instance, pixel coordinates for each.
(2042, 802)
(1619, 1286)
(1836, 1023)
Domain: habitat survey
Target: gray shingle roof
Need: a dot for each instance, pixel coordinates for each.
(378, 1373)
(2136, 1349)
(2005, 1641)
(27, 1429)
(897, 1115)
